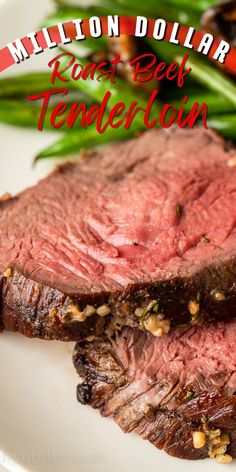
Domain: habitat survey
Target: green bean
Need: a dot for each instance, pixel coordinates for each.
(216, 103)
(148, 8)
(225, 124)
(26, 114)
(73, 142)
(169, 11)
(171, 92)
(65, 15)
(166, 50)
(104, 8)
(19, 113)
(22, 86)
(25, 84)
(199, 6)
(212, 79)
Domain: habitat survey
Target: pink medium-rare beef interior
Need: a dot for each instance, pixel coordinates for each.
(181, 355)
(165, 388)
(147, 221)
(156, 207)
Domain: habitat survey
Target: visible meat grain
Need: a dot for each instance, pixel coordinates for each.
(178, 391)
(122, 228)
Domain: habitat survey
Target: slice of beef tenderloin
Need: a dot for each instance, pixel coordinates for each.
(167, 390)
(147, 224)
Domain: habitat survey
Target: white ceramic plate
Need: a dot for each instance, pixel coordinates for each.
(42, 427)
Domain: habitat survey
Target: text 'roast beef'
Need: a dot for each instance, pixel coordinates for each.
(152, 220)
(166, 389)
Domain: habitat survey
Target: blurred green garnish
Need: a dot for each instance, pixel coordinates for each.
(206, 84)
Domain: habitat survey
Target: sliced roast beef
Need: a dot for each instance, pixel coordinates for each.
(150, 221)
(169, 389)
